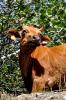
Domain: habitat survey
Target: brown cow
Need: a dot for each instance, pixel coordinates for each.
(30, 38)
(53, 62)
(40, 65)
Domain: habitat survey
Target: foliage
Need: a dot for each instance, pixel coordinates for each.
(51, 14)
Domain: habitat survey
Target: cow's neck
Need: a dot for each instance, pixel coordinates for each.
(25, 58)
(27, 49)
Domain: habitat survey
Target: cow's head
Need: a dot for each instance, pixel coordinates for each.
(28, 34)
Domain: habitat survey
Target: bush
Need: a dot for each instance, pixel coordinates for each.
(50, 14)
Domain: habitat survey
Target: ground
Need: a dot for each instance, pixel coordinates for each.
(35, 96)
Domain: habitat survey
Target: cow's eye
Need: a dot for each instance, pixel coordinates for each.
(23, 34)
(25, 31)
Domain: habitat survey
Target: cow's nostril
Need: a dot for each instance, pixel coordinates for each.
(34, 37)
(37, 38)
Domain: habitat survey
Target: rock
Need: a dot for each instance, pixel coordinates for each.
(64, 97)
(20, 97)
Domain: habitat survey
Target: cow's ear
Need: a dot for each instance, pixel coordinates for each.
(44, 39)
(13, 34)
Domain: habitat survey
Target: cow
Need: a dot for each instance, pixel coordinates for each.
(40, 65)
(53, 62)
(30, 38)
